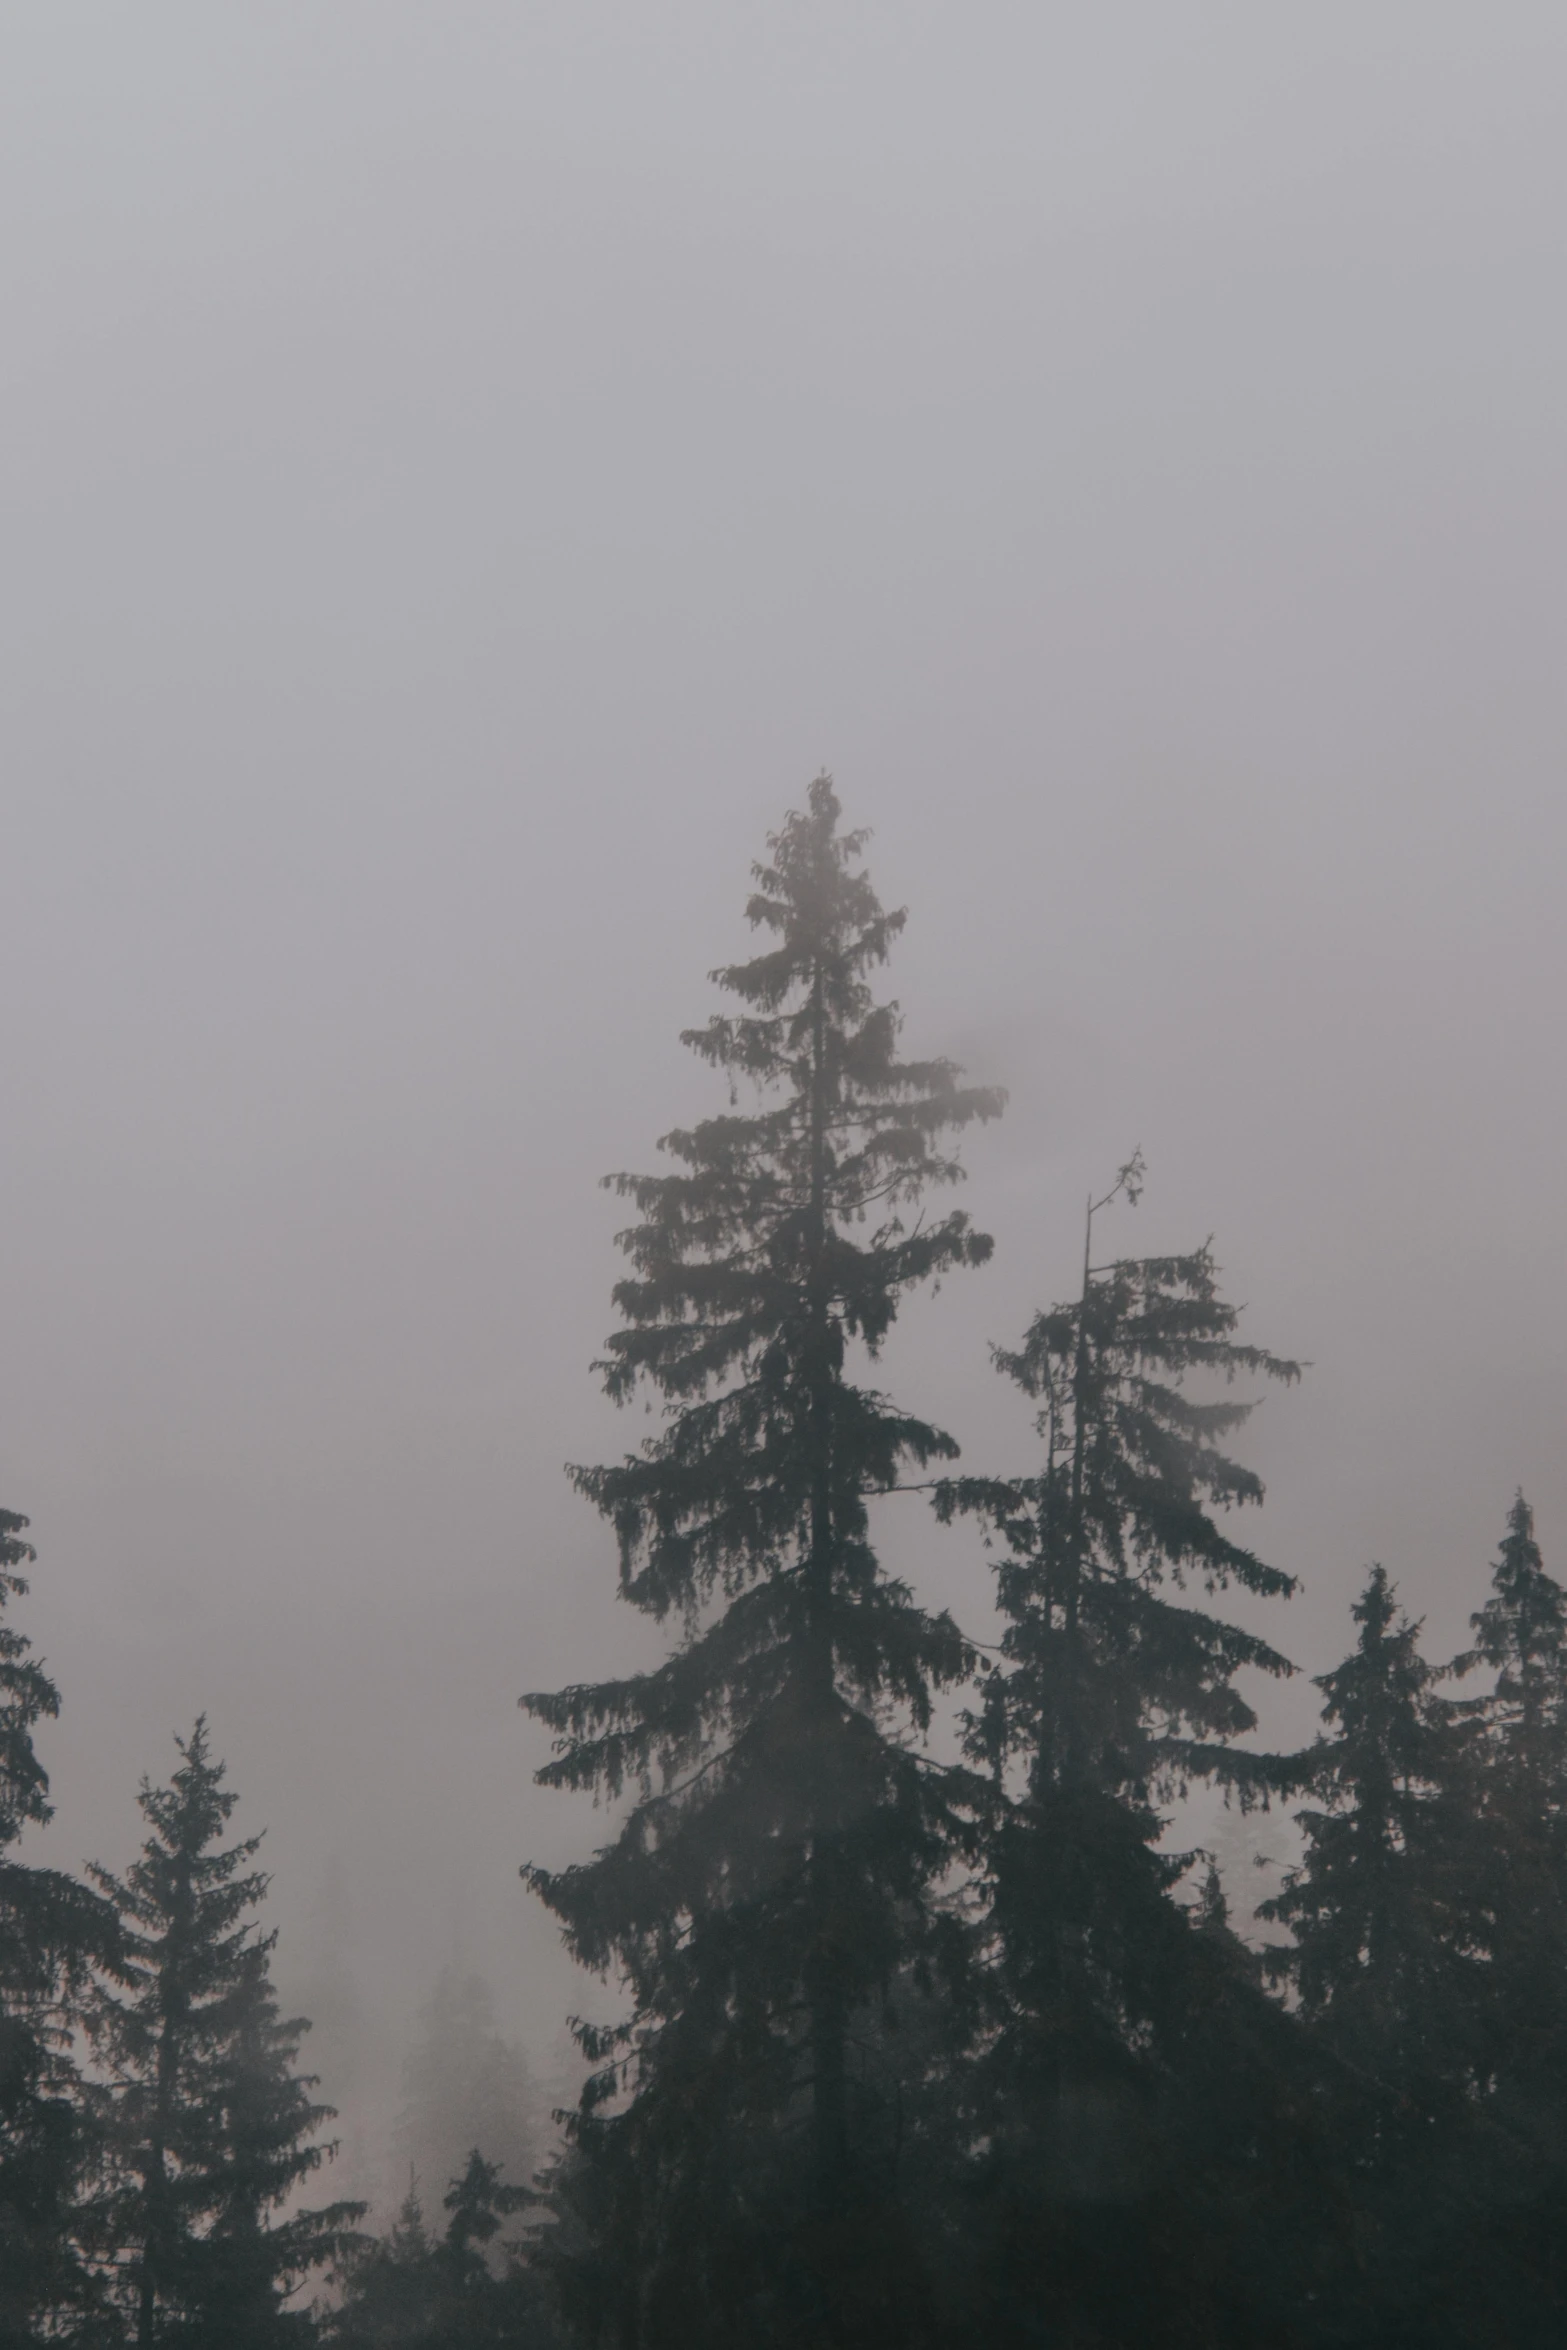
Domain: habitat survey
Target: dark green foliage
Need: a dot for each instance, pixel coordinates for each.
(1131, 2095)
(406, 2292)
(50, 1930)
(779, 1861)
(208, 2127)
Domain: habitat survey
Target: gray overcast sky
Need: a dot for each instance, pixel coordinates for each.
(465, 468)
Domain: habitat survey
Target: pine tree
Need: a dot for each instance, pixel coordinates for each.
(391, 2289)
(1388, 1965)
(209, 2127)
(409, 2293)
(1521, 1633)
(776, 1866)
(1377, 1907)
(51, 1929)
(1113, 2026)
(1520, 1732)
(505, 2310)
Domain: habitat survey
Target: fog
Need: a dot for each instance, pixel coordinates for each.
(466, 469)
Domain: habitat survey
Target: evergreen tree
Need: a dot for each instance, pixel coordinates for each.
(409, 2293)
(1112, 1682)
(1388, 1964)
(778, 1862)
(1521, 1633)
(391, 2288)
(1520, 1731)
(1375, 1908)
(50, 1930)
(1123, 2147)
(509, 2309)
(209, 2127)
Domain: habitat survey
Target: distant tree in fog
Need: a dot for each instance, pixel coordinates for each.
(465, 2084)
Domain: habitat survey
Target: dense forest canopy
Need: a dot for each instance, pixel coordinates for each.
(923, 2039)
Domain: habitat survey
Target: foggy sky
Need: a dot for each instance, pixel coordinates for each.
(465, 469)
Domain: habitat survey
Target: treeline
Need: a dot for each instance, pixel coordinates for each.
(921, 2044)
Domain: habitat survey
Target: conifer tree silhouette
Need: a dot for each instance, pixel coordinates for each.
(208, 2126)
(51, 1930)
(409, 2292)
(778, 1861)
(1112, 2115)
(1389, 1968)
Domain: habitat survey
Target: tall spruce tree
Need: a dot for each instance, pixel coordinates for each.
(51, 1929)
(208, 2127)
(778, 1863)
(1120, 2104)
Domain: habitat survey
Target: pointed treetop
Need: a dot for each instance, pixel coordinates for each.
(1521, 1633)
(1385, 1673)
(191, 1812)
(808, 894)
(810, 992)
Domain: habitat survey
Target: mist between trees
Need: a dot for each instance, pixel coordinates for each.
(930, 2030)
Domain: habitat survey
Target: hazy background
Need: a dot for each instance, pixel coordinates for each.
(465, 467)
